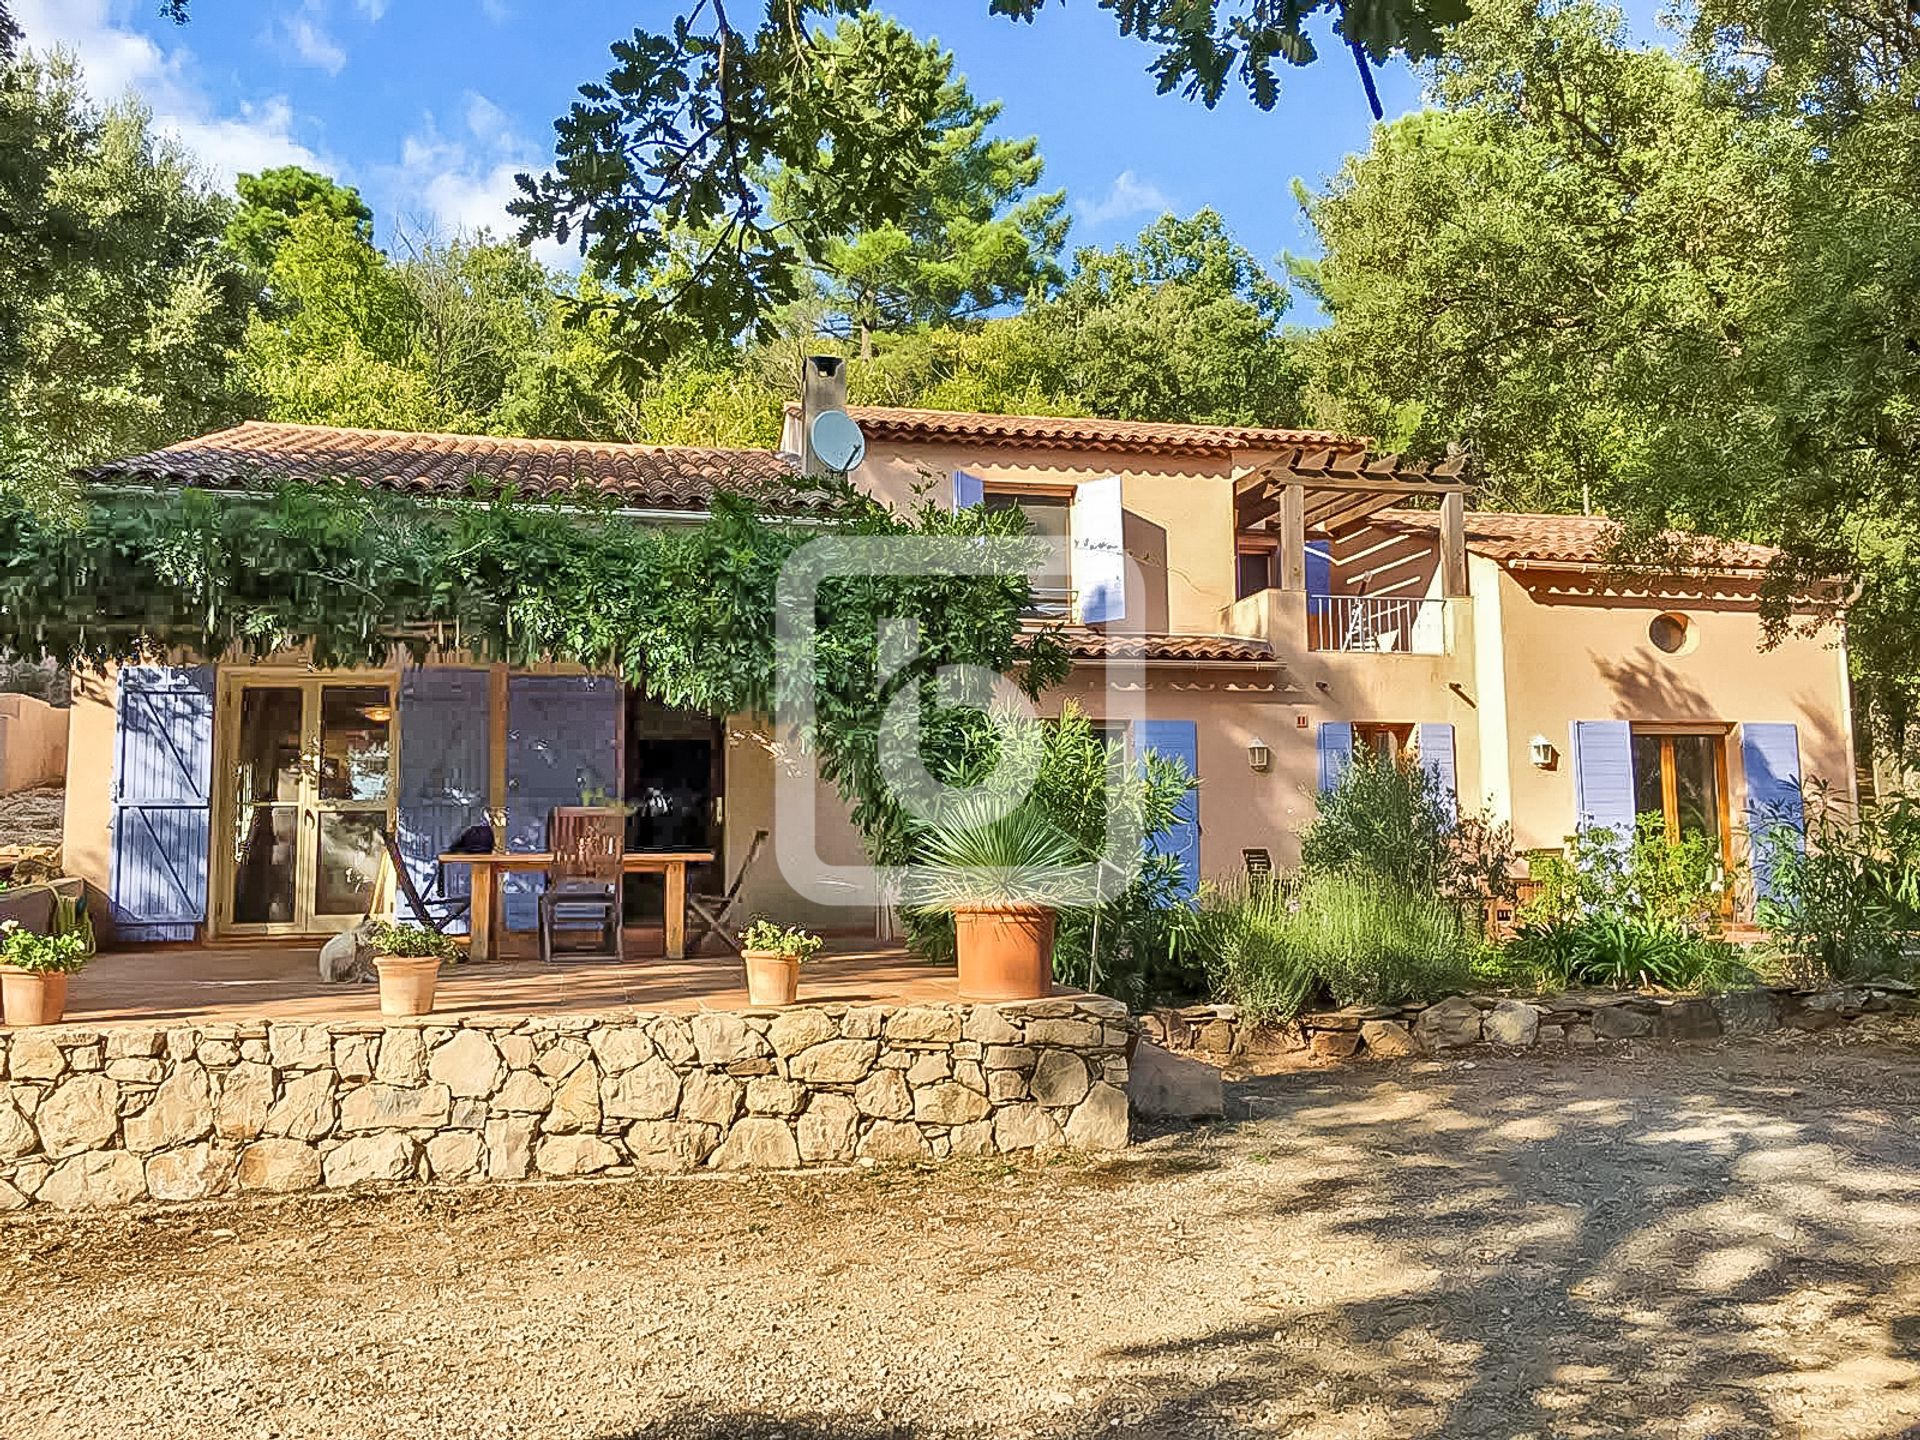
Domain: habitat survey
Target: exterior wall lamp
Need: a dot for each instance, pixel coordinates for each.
(1540, 750)
(1259, 757)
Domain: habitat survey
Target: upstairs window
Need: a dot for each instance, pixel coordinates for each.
(1049, 517)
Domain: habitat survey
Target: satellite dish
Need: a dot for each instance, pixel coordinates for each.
(837, 441)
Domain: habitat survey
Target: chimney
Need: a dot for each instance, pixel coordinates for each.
(823, 387)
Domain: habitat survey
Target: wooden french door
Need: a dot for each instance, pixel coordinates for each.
(308, 784)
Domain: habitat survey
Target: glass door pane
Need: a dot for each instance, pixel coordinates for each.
(1696, 784)
(1649, 784)
(353, 793)
(267, 785)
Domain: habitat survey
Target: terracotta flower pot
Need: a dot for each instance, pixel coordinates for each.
(772, 978)
(407, 983)
(1005, 951)
(32, 997)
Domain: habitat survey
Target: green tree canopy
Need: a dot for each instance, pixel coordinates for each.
(121, 306)
(270, 200)
(972, 238)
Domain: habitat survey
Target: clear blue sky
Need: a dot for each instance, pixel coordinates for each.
(429, 106)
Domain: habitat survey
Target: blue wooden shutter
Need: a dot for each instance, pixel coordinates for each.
(968, 490)
(1603, 776)
(1319, 576)
(562, 749)
(444, 732)
(162, 802)
(1099, 550)
(1435, 745)
(1335, 744)
(1178, 740)
(1776, 809)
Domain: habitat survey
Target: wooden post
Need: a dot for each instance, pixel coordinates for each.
(1453, 544)
(1293, 537)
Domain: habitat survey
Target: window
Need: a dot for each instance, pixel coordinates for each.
(1682, 778)
(1671, 633)
(1048, 518)
(1388, 741)
(1254, 570)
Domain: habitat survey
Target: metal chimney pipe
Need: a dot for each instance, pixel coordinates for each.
(823, 386)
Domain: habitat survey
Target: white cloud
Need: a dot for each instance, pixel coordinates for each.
(310, 41)
(460, 184)
(117, 59)
(374, 10)
(1129, 195)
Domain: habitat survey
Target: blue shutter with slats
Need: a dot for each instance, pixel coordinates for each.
(162, 802)
(1099, 550)
(562, 749)
(1319, 576)
(1435, 744)
(444, 731)
(1603, 775)
(968, 490)
(1178, 740)
(1335, 745)
(1776, 808)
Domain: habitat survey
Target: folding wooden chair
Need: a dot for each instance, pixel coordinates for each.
(448, 907)
(712, 910)
(583, 885)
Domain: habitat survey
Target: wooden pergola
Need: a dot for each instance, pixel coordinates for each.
(1330, 491)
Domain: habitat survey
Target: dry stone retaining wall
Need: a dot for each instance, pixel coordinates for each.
(1390, 1031)
(94, 1117)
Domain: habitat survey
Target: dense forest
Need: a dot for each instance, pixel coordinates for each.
(1675, 284)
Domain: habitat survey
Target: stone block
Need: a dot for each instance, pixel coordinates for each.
(135, 1044)
(402, 1059)
(469, 1066)
(757, 1143)
(16, 1132)
(1620, 1022)
(650, 1091)
(721, 1038)
(927, 1067)
(82, 1113)
(893, 1140)
(94, 1181)
(795, 1030)
(947, 1102)
(294, 1047)
(1511, 1022)
(1687, 1018)
(563, 1155)
(884, 1094)
(1011, 1057)
(1024, 1127)
(455, 1155)
(561, 1058)
(1165, 1086)
(246, 1096)
(974, 1139)
(181, 1110)
(827, 1130)
(923, 1025)
(1453, 1022)
(306, 1108)
(1387, 1039)
(672, 1036)
(1099, 1122)
(371, 1159)
(1059, 1078)
(1334, 1044)
(279, 1167)
(1271, 1038)
(768, 1095)
(1005, 1085)
(35, 1057)
(576, 1102)
(620, 1048)
(988, 1025)
(525, 1093)
(834, 1062)
(192, 1172)
(509, 1148)
(516, 1050)
(395, 1107)
(1069, 1034)
(708, 1099)
(135, 1071)
(217, 1053)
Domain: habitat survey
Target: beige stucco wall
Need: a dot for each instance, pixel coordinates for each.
(1575, 657)
(86, 842)
(33, 743)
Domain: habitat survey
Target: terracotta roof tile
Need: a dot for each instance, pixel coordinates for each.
(1088, 644)
(259, 452)
(1061, 432)
(1572, 539)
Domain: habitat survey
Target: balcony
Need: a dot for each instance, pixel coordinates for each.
(1377, 624)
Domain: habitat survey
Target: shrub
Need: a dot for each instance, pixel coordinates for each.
(1641, 874)
(1623, 952)
(1275, 947)
(791, 941)
(412, 942)
(1844, 903)
(1394, 819)
(43, 954)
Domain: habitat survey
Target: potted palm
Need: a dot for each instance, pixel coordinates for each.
(1002, 877)
(408, 959)
(34, 970)
(773, 957)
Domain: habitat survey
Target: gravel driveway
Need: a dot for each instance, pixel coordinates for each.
(1691, 1243)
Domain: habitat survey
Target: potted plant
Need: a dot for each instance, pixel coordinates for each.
(1002, 877)
(773, 957)
(34, 970)
(408, 959)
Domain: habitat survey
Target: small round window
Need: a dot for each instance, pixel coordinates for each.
(1671, 633)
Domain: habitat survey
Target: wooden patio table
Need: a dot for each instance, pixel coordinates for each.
(489, 866)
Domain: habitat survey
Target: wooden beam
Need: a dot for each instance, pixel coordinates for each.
(1293, 537)
(1350, 514)
(1453, 545)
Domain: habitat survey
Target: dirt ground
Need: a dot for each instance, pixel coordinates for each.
(1714, 1242)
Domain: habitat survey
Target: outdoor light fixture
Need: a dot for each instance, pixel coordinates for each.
(1541, 750)
(1258, 756)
